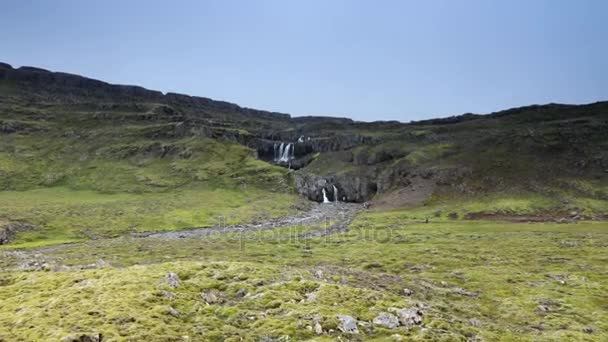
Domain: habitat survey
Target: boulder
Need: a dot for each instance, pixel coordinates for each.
(348, 324)
(409, 317)
(209, 297)
(172, 280)
(386, 320)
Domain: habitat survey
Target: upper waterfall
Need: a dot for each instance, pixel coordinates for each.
(284, 152)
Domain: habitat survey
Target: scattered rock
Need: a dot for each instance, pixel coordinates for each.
(408, 292)
(210, 297)
(588, 330)
(408, 317)
(311, 297)
(318, 274)
(172, 312)
(318, 328)
(463, 292)
(544, 308)
(241, 293)
(83, 338)
(475, 322)
(386, 320)
(559, 278)
(172, 280)
(168, 295)
(348, 324)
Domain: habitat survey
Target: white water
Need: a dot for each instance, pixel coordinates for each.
(278, 153)
(284, 152)
(285, 155)
(336, 198)
(325, 200)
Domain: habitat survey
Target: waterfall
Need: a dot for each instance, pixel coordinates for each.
(278, 152)
(336, 198)
(325, 200)
(285, 155)
(284, 152)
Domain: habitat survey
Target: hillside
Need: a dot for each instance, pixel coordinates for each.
(62, 130)
(127, 214)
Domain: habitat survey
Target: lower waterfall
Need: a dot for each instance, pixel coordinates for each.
(336, 197)
(325, 200)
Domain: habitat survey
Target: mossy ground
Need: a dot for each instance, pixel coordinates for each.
(482, 280)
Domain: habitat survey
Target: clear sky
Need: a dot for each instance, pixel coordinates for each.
(369, 60)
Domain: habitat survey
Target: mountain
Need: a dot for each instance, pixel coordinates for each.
(544, 149)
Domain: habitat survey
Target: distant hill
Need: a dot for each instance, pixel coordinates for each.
(63, 129)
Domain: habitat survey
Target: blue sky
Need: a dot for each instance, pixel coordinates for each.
(369, 60)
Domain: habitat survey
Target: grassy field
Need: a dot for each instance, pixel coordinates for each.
(480, 280)
(65, 215)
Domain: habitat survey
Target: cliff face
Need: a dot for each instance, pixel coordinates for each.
(467, 154)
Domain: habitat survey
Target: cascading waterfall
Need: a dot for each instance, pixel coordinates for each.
(325, 200)
(336, 197)
(284, 152)
(278, 151)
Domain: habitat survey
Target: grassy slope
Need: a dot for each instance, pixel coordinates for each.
(364, 271)
(519, 164)
(77, 178)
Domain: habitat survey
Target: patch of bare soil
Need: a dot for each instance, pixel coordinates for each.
(546, 216)
(412, 195)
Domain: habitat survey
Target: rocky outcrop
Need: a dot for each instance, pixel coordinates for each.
(351, 188)
(9, 230)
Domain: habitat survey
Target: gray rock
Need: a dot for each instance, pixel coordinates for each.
(409, 317)
(83, 338)
(475, 322)
(318, 328)
(172, 280)
(311, 297)
(408, 292)
(386, 320)
(173, 312)
(348, 324)
(209, 297)
(588, 330)
(241, 293)
(168, 295)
